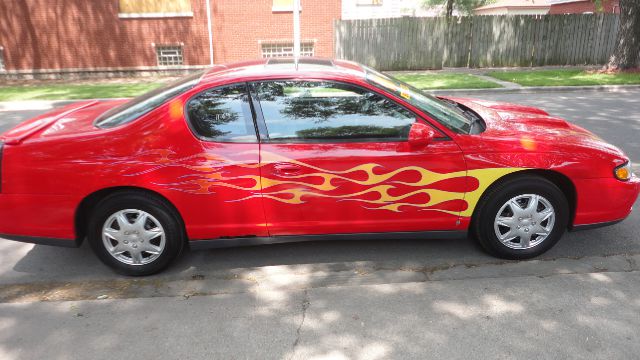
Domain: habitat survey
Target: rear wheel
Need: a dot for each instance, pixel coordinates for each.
(521, 218)
(135, 233)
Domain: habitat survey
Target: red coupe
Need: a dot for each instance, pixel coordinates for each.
(274, 151)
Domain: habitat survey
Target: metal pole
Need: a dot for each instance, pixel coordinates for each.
(210, 33)
(296, 30)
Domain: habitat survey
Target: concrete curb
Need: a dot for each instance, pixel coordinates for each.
(27, 105)
(308, 276)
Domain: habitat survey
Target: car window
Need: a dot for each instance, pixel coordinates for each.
(447, 114)
(329, 111)
(141, 105)
(222, 114)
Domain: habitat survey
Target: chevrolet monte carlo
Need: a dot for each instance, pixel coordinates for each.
(274, 151)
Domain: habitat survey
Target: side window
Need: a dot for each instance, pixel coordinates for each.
(222, 114)
(324, 111)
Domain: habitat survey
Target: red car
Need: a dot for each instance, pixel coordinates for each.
(274, 151)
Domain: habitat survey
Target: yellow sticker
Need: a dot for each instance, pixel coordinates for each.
(404, 92)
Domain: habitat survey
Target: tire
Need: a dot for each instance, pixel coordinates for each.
(152, 239)
(498, 214)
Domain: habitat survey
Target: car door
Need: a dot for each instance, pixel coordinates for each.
(223, 175)
(335, 159)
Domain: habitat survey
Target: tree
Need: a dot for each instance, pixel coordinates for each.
(627, 52)
(464, 6)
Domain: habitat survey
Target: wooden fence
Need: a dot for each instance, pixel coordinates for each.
(477, 41)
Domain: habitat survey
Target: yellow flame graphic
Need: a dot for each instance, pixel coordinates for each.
(206, 174)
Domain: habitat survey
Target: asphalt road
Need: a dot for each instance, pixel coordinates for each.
(365, 299)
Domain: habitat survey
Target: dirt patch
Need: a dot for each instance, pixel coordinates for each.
(611, 71)
(86, 290)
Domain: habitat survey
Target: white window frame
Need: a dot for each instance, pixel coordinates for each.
(276, 49)
(155, 15)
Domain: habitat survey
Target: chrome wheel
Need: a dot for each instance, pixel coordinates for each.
(133, 237)
(524, 221)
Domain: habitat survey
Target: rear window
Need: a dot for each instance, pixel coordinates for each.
(141, 105)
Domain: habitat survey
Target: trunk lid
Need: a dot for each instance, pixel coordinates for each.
(70, 119)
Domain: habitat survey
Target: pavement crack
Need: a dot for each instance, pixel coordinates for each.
(305, 305)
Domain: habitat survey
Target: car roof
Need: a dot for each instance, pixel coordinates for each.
(283, 67)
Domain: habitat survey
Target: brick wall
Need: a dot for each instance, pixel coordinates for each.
(240, 25)
(579, 7)
(59, 34)
(63, 34)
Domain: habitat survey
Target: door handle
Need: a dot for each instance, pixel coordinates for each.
(286, 169)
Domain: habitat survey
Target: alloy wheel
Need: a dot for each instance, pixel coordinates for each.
(133, 237)
(524, 221)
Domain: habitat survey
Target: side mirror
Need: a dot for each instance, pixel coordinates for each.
(420, 135)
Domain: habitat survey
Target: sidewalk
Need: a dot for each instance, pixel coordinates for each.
(476, 71)
(523, 79)
(565, 308)
(513, 88)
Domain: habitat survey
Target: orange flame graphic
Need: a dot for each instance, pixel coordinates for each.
(375, 192)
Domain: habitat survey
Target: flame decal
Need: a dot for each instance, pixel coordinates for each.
(206, 174)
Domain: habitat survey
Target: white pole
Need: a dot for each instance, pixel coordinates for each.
(210, 33)
(296, 29)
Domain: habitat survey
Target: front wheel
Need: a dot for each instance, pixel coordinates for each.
(521, 218)
(135, 234)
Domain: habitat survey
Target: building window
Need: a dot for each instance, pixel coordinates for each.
(283, 5)
(1, 59)
(271, 50)
(154, 8)
(169, 55)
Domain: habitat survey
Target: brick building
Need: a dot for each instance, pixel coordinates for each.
(253, 28)
(583, 6)
(54, 36)
(547, 7)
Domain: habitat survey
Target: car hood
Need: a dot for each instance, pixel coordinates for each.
(531, 125)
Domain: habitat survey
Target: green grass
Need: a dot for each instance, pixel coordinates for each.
(428, 81)
(565, 78)
(74, 91)
(111, 90)
(431, 81)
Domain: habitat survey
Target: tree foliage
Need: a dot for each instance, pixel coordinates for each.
(463, 6)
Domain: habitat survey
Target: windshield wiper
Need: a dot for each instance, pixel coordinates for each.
(462, 110)
(472, 116)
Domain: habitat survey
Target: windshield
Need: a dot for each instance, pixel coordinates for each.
(141, 105)
(447, 114)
